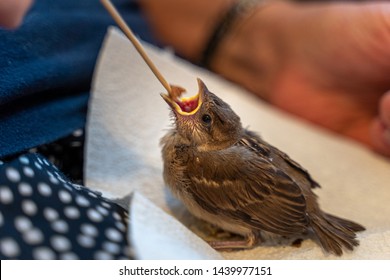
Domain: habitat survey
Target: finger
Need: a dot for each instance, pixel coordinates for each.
(12, 12)
(380, 128)
(380, 138)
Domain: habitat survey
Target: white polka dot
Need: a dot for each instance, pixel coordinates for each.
(60, 243)
(39, 160)
(29, 207)
(76, 187)
(102, 210)
(37, 165)
(9, 247)
(76, 144)
(82, 201)
(117, 216)
(44, 189)
(33, 236)
(45, 161)
(28, 171)
(101, 255)
(120, 226)
(50, 214)
(60, 226)
(85, 241)
(110, 247)
(1, 163)
(12, 174)
(59, 177)
(64, 196)
(114, 235)
(25, 189)
(94, 215)
(22, 223)
(6, 195)
(43, 253)
(52, 177)
(54, 180)
(24, 160)
(71, 212)
(105, 204)
(1, 219)
(89, 229)
(77, 133)
(69, 256)
(92, 194)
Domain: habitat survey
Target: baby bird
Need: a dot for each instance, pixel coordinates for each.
(230, 177)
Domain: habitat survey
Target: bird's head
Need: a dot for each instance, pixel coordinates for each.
(204, 119)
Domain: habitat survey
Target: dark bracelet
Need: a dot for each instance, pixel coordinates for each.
(224, 26)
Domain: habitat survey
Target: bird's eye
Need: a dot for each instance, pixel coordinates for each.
(206, 119)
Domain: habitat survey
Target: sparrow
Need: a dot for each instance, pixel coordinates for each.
(230, 177)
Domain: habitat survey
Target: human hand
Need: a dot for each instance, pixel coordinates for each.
(327, 63)
(12, 12)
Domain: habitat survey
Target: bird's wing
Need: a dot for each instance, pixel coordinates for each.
(254, 142)
(249, 190)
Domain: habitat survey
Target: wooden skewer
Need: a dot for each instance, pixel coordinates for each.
(126, 29)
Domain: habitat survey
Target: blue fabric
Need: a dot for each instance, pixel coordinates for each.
(46, 68)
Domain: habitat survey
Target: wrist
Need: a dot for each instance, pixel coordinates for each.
(184, 25)
(238, 10)
(254, 49)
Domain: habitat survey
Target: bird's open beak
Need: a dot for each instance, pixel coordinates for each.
(185, 106)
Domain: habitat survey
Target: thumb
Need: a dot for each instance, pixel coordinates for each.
(12, 12)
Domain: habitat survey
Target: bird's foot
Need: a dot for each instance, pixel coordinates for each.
(246, 243)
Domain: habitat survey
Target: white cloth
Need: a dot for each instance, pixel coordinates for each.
(127, 118)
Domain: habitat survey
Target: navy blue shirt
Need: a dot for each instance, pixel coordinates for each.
(46, 67)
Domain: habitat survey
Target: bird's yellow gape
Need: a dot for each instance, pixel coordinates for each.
(185, 106)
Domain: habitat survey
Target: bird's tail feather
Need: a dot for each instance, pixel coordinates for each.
(335, 233)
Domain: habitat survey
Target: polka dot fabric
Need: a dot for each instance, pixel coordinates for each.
(44, 216)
